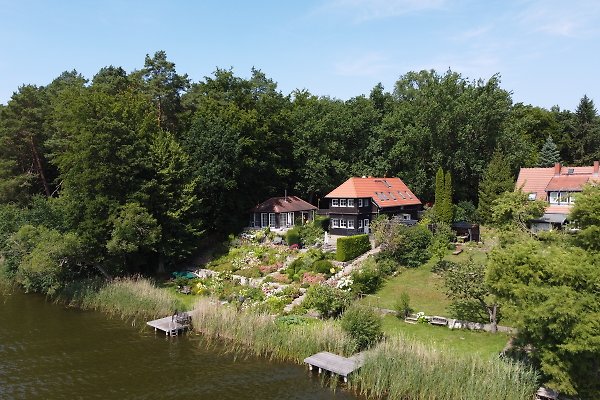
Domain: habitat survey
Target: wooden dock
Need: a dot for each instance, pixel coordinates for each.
(335, 364)
(172, 325)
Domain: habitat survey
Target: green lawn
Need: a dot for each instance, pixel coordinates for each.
(463, 341)
(424, 288)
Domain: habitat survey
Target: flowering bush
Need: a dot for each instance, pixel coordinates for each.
(312, 278)
(421, 318)
(345, 284)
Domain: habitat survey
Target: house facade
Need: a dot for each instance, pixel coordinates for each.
(281, 212)
(557, 186)
(356, 202)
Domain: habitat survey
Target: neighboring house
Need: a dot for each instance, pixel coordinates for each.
(281, 212)
(556, 186)
(356, 202)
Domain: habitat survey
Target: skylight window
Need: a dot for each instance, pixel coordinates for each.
(392, 196)
(409, 195)
(531, 196)
(401, 194)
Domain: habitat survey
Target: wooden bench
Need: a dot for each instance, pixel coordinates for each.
(435, 320)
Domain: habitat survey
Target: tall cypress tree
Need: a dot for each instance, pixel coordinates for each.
(549, 154)
(497, 179)
(439, 194)
(448, 206)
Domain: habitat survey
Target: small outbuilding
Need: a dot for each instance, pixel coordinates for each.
(466, 231)
(281, 212)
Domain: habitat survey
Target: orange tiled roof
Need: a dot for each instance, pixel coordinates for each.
(558, 209)
(543, 180)
(535, 180)
(385, 192)
(566, 183)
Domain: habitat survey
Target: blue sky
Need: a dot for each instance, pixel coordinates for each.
(546, 51)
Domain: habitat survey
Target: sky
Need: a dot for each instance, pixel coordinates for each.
(547, 52)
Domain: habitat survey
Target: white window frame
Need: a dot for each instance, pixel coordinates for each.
(335, 223)
(360, 223)
(264, 220)
(531, 196)
(343, 223)
(350, 224)
(272, 220)
(366, 203)
(335, 202)
(290, 219)
(360, 203)
(553, 198)
(343, 203)
(350, 202)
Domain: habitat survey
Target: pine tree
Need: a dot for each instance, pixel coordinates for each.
(497, 179)
(448, 206)
(439, 194)
(549, 154)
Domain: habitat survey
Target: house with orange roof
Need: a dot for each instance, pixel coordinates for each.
(557, 186)
(356, 202)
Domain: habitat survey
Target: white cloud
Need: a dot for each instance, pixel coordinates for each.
(367, 65)
(559, 18)
(374, 9)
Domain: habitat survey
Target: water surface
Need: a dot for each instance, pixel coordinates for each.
(50, 352)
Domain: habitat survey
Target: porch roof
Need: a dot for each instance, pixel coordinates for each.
(283, 204)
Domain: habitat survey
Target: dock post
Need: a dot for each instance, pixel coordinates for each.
(310, 367)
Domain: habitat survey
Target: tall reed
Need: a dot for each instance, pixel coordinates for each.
(133, 297)
(400, 368)
(260, 335)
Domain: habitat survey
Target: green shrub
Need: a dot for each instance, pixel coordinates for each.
(363, 325)
(386, 265)
(322, 266)
(403, 308)
(329, 301)
(367, 280)
(252, 272)
(322, 222)
(292, 236)
(311, 233)
(351, 247)
(410, 245)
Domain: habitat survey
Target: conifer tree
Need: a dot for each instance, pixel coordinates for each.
(448, 206)
(439, 193)
(549, 154)
(497, 179)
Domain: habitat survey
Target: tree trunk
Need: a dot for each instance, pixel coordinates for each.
(38, 163)
(493, 311)
(161, 264)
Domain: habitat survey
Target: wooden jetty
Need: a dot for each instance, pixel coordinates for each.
(335, 364)
(172, 325)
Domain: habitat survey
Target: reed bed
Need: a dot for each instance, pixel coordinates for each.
(400, 368)
(249, 331)
(134, 297)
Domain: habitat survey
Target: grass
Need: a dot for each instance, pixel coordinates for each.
(135, 298)
(257, 333)
(401, 368)
(458, 341)
(424, 288)
(398, 368)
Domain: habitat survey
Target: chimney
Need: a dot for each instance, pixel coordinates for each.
(596, 168)
(286, 199)
(557, 169)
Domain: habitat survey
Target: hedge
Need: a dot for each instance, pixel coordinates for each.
(292, 237)
(351, 247)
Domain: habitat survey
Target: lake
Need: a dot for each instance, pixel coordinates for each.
(51, 352)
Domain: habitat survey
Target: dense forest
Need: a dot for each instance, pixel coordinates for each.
(130, 170)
